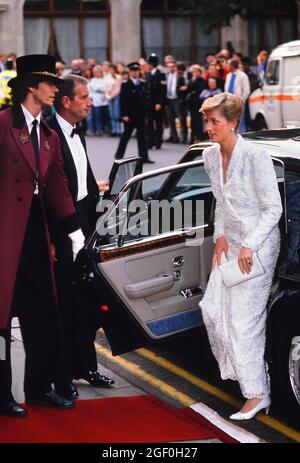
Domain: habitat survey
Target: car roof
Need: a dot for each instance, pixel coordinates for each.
(283, 148)
(286, 49)
(283, 143)
(274, 134)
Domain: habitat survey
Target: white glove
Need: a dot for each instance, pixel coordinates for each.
(77, 238)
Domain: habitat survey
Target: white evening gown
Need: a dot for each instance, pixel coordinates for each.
(248, 208)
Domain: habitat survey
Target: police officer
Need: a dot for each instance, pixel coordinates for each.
(156, 87)
(133, 112)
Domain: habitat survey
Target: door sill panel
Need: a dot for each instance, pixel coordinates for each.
(175, 323)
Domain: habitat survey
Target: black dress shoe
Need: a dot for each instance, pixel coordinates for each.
(97, 380)
(12, 408)
(67, 390)
(148, 161)
(51, 399)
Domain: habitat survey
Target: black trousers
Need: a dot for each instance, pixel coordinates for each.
(174, 109)
(154, 127)
(80, 328)
(129, 127)
(34, 304)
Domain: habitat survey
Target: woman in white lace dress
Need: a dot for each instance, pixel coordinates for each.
(248, 208)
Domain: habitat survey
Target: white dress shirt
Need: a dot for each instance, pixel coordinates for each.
(171, 86)
(29, 119)
(78, 154)
(135, 81)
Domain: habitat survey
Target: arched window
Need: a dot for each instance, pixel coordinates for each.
(165, 31)
(68, 29)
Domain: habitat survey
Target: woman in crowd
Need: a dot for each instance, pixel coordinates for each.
(113, 96)
(194, 88)
(212, 89)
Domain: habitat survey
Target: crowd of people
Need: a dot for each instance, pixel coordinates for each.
(183, 91)
(171, 94)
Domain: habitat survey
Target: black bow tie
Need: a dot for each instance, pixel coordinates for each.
(76, 131)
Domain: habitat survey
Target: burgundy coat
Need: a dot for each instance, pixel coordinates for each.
(17, 184)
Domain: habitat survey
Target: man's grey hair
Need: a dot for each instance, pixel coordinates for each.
(67, 88)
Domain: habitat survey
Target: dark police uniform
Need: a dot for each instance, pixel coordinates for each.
(133, 105)
(156, 94)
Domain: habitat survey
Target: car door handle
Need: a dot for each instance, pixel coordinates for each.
(178, 261)
(149, 287)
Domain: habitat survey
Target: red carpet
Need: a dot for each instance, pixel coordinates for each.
(121, 419)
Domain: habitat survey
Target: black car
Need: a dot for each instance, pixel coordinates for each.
(145, 269)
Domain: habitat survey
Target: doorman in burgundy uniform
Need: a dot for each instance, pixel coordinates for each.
(32, 182)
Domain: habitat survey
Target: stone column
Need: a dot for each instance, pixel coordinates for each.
(125, 30)
(11, 26)
(237, 34)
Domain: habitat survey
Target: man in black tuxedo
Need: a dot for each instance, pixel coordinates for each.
(156, 88)
(133, 112)
(72, 104)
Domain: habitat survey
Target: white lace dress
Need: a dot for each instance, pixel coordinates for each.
(248, 208)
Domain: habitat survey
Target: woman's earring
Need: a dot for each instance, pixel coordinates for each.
(232, 129)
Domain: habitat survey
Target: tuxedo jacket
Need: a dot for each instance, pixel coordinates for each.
(156, 87)
(133, 100)
(18, 178)
(69, 164)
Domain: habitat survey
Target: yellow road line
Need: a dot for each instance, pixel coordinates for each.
(190, 377)
(136, 370)
(179, 396)
(272, 422)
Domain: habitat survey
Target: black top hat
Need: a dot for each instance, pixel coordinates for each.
(40, 66)
(152, 59)
(134, 66)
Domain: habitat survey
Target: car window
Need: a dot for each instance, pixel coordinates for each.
(291, 71)
(159, 204)
(272, 74)
(124, 172)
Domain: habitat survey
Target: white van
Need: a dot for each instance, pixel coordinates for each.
(277, 103)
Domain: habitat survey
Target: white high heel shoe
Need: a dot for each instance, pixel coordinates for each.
(263, 404)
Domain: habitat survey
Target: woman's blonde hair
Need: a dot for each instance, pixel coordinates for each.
(196, 66)
(230, 106)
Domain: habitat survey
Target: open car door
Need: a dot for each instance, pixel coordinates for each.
(122, 171)
(145, 269)
(194, 152)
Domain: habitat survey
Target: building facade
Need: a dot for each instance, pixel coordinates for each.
(123, 30)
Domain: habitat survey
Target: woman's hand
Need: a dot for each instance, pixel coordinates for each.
(245, 260)
(221, 246)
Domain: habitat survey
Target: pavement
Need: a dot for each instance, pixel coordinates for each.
(101, 152)
(121, 388)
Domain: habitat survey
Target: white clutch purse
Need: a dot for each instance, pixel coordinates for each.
(232, 274)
